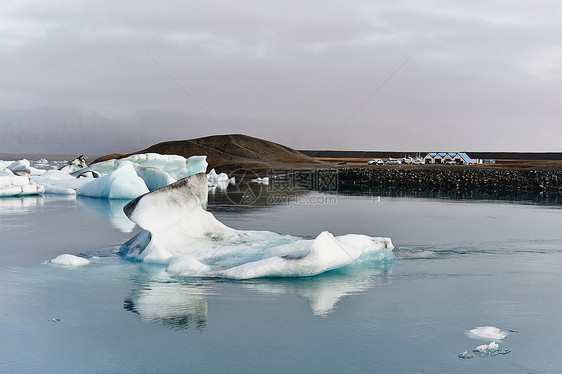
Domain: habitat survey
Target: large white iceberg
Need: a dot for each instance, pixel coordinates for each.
(179, 233)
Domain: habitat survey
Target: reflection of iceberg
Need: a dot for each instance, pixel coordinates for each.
(179, 306)
(20, 204)
(325, 291)
(112, 210)
(178, 230)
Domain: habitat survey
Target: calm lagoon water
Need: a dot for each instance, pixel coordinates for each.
(460, 264)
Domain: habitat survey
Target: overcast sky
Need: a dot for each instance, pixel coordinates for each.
(440, 75)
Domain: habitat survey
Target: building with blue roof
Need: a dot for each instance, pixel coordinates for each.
(460, 158)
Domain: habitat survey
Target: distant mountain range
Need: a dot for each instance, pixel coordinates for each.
(64, 131)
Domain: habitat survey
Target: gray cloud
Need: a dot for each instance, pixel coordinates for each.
(485, 74)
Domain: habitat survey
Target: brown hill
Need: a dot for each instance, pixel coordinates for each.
(231, 152)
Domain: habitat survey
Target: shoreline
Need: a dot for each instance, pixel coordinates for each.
(476, 178)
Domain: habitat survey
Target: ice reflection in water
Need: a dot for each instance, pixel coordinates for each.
(179, 306)
(182, 303)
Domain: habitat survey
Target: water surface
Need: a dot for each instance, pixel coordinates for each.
(461, 263)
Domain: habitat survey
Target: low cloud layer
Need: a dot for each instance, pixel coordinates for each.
(481, 75)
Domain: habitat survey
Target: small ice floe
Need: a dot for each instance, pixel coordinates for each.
(490, 333)
(264, 180)
(69, 260)
(465, 355)
(492, 349)
(54, 320)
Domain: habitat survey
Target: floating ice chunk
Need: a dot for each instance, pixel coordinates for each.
(177, 232)
(491, 349)
(486, 333)
(220, 181)
(154, 168)
(264, 180)
(465, 355)
(213, 177)
(69, 260)
(42, 161)
(73, 166)
(177, 166)
(19, 186)
(21, 167)
(123, 183)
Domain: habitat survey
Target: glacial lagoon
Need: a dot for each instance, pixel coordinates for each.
(461, 263)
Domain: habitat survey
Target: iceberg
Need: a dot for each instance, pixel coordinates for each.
(19, 186)
(190, 241)
(177, 167)
(123, 183)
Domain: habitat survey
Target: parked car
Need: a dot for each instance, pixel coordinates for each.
(450, 162)
(417, 161)
(376, 161)
(393, 162)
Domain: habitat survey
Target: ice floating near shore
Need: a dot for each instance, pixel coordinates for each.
(149, 171)
(178, 233)
(69, 260)
(487, 333)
